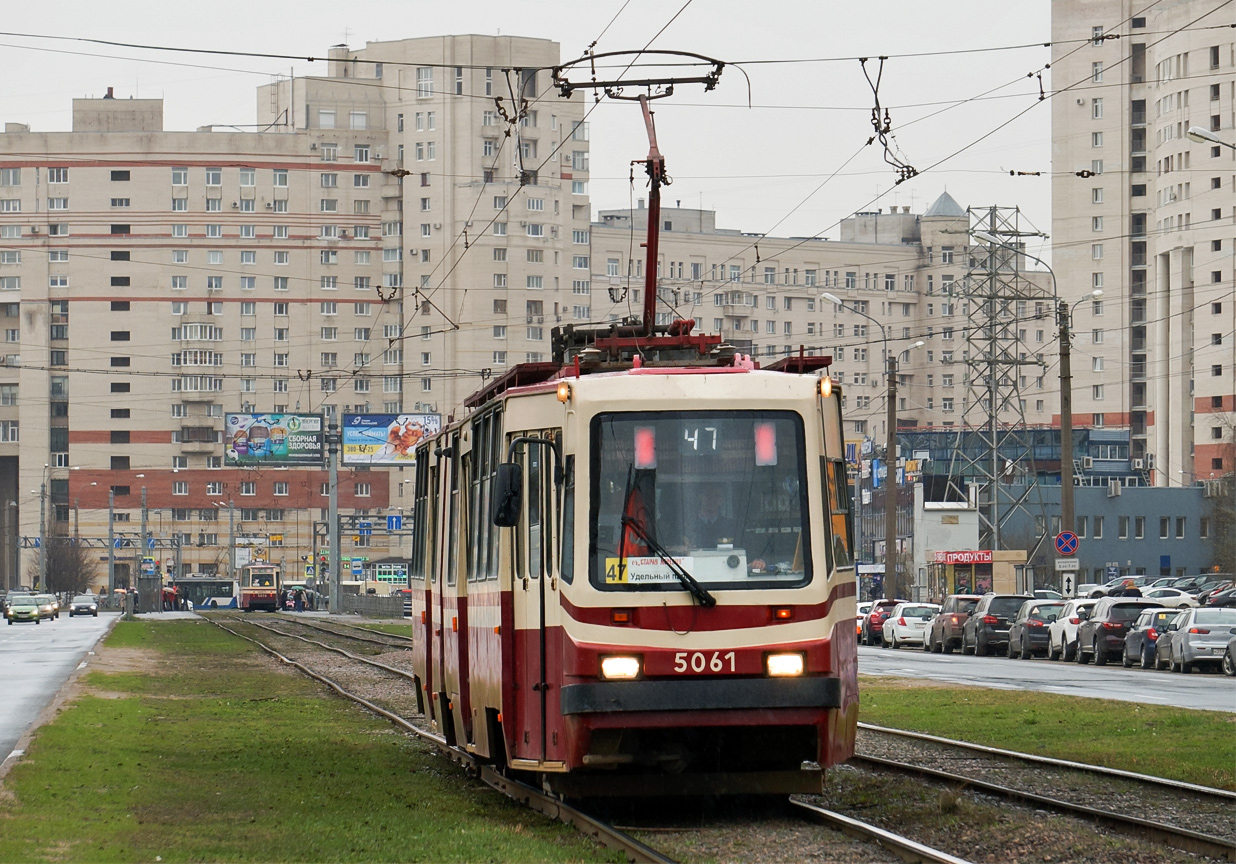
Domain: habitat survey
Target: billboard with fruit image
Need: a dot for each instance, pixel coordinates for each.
(385, 439)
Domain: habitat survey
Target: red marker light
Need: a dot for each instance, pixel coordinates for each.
(901, 622)
(765, 444)
(645, 447)
(990, 619)
(620, 616)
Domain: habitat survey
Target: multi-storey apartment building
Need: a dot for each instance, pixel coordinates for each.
(907, 271)
(1146, 214)
(492, 195)
(328, 263)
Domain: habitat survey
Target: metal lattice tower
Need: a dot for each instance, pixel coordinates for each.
(994, 454)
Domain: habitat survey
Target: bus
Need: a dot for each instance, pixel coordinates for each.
(208, 592)
(260, 586)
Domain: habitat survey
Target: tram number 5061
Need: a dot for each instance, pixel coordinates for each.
(701, 662)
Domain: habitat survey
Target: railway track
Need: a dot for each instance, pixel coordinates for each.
(1185, 816)
(376, 637)
(886, 843)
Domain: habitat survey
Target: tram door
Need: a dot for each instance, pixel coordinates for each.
(534, 542)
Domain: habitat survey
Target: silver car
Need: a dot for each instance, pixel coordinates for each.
(1197, 638)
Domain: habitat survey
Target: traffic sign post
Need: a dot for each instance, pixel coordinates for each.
(1066, 543)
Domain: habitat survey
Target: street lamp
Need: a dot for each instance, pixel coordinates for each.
(891, 580)
(1204, 136)
(231, 533)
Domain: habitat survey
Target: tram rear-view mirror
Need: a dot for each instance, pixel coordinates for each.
(508, 487)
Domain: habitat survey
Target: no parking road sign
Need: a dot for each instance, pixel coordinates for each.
(1066, 543)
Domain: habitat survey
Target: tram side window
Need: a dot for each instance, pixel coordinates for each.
(567, 558)
(536, 561)
(420, 516)
(482, 532)
(495, 458)
(839, 511)
(431, 537)
(452, 525)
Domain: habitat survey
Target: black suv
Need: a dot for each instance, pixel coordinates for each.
(987, 628)
(1101, 635)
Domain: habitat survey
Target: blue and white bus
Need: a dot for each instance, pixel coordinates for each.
(208, 592)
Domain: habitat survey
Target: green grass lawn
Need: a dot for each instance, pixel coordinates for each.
(207, 754)
(1194, 746)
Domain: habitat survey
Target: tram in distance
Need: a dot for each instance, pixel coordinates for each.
(260, 585)
(641, 571)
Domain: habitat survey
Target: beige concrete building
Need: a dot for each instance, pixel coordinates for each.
(905, 270)
(357, 253)
(1146, 214)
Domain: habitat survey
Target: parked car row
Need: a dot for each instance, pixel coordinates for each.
(1168, 590)
(1133, 630)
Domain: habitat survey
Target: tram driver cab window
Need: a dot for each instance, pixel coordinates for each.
(721, 494)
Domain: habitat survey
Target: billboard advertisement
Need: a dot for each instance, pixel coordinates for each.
(273, 439)
(385, 439)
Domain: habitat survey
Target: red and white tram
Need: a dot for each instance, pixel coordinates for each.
(675, 590)
(632, 568)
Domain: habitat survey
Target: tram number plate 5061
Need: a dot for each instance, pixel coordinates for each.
(702, 661)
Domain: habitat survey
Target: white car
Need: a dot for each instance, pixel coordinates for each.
(1062, 633)
(907, 623)
(1172, 598)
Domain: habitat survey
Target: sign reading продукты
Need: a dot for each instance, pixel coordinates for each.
(273, 439)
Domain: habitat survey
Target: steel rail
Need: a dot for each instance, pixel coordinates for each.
(1057, 763)
(903, 847)
(369, 630)
(522, 793)
(312, 625)
(1179, 838)
(403, 673)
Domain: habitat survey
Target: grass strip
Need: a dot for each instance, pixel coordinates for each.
(1176, 743)
(208, 753)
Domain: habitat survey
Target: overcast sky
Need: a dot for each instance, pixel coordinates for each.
(792, 164)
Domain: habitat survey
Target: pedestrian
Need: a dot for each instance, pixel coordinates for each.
(1130, 589)
(300, 600)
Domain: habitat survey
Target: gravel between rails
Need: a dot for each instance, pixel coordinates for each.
(980, 827)
(1180, 808)
(749, 830)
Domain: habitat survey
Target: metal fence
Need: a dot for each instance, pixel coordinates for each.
(372, 606)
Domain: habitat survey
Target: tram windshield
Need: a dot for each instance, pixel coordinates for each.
(722, 493)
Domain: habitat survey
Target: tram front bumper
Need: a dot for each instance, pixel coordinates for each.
(701, 694)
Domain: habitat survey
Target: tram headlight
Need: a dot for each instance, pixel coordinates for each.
(784, 665)
(620, 668)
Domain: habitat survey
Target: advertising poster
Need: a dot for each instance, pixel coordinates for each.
(385, 439)
(273, 439)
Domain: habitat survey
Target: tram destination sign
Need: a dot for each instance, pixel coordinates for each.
(273, 439)
(385, 439)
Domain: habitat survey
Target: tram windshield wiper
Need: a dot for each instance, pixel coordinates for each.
(689, 582)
